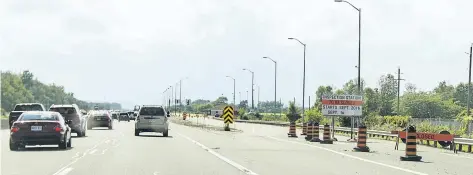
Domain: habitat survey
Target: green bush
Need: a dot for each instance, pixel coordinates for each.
(313, 115)
(386, 123)
(292, 113)
(274, 117)
(464, 120)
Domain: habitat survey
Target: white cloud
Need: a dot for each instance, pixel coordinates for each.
(91, 46)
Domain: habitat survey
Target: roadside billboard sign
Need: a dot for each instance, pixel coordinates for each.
(342, 105)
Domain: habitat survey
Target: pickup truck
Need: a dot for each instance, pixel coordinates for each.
(22, 107)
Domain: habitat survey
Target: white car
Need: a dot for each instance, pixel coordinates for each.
(152, 118)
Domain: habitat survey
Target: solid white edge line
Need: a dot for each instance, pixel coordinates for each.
(65, 171)
(351, 156)
(232, 163)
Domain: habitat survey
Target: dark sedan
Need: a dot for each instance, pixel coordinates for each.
(100, 119)
(40, 128)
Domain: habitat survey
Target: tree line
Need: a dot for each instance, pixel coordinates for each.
(381, 108)
(25, 88)
(444, 101)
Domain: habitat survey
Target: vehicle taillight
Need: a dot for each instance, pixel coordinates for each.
(58, 128)
(14, 129)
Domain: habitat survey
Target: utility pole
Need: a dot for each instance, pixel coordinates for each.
(398, 88)
(469, 90)
(469, 82)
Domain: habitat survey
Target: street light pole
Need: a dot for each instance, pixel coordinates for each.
(359, 43)
(252, 88)
(275, 78)
(180, 93)
(234, 86)
(164, 96)
(303, 80)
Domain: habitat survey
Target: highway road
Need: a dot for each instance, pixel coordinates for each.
(340, 159)
(256, 149)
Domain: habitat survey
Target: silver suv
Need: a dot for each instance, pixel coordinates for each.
(152, 118)
(72, 112)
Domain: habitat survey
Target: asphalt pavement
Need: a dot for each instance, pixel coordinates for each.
(255, 149)
(340, 159)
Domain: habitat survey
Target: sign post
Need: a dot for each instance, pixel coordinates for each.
(342, 105)
(227, 117)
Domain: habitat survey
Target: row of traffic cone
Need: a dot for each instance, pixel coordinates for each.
(311, 130)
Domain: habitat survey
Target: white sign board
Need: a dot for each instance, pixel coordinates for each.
(342, 105)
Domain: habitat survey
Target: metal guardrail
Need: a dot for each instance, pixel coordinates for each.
(461, 142)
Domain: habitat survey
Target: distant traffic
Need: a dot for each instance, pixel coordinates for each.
(32, 125)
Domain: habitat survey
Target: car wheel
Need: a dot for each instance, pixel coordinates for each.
(69, 143)
(165, 133)
(83, 132)
(79, 134)
(137, 132)
(13, 146)
(63, 145)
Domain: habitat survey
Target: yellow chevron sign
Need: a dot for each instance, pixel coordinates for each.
(228, 114)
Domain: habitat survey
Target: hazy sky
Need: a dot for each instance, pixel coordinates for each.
(131, 51)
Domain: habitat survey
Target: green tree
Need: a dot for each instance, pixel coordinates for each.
(13, 91)
(388, 93)
(371, 101)
(321, 91)
(23, 88)
(292, 113)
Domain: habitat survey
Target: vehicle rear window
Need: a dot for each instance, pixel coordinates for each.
(64, 110)
(35, 107)
(26, 117)
(152, 111)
